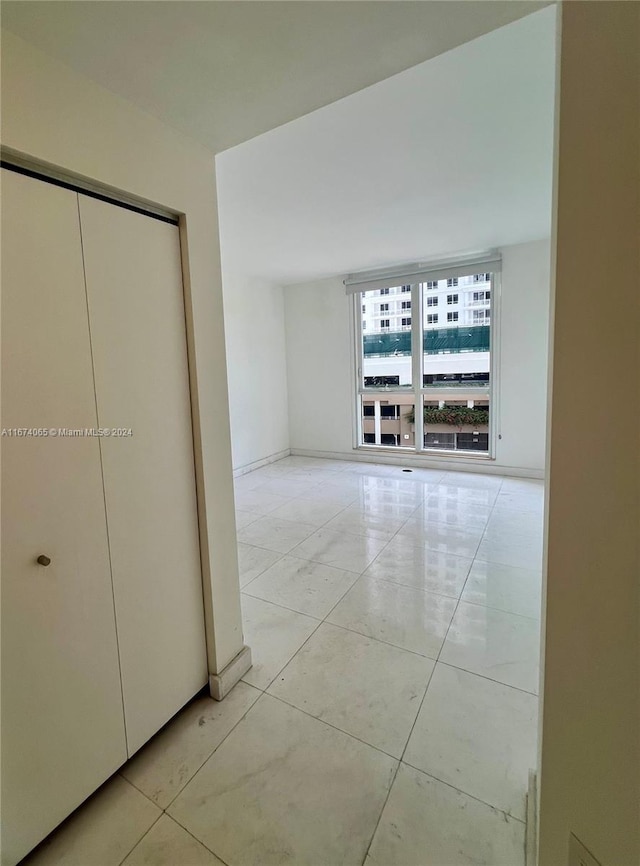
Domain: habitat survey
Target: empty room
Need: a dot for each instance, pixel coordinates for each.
(319, 516)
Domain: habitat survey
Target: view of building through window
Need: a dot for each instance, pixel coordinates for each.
(454, 394)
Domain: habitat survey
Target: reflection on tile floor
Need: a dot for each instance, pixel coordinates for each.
(390, 717)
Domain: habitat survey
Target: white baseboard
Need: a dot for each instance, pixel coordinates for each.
(221, 684)
(264, 461)
(446, 464)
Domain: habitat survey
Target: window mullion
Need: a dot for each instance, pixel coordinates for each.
(356, 314)
(417, 363)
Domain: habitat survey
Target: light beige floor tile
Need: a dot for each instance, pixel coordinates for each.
(309, 510)
(276, 534)
(462, 514)
(397, 506)
(271, 470)
(258, 500)
(473, 480)
(405, 617)
(505, 522)
(501, 646)
(244, 518)
(364, 687)
(373, 470)
(412, 564)
(529, 486)
(301, 585)
(284, 787)
(102, 832)
(398, 484)
(428, 823)
(165, 765)
(430, 476)
(348, 481)
(477, 735)
(519, 551)
(444, 537)
(167, 844)
(274, 634)
(531, 502)
(299, 461)
(312, 475)
(448, 492)
(330, 495)
(340, 549)
(288, 485)
(516, 590)
(252, 561)
(246, 482)
(366, 522)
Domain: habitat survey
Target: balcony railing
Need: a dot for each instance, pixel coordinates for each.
(436, 341)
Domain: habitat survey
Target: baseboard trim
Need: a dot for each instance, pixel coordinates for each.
(531, 830)
(458, 464)
(264, 461)
(221, 684)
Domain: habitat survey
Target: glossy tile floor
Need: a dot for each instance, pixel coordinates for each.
(390, 715)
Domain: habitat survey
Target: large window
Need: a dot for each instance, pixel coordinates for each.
(425, 382)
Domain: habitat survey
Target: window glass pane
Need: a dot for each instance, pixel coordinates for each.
(457, 346)
(456, 425)
(388, 420)
(452, 413)
(457, 358)
(386, 345)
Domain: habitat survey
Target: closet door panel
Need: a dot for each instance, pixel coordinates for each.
(136, 311)
(62, 714)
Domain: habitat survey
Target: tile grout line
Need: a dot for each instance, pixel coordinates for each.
(199, 841)
(213, 751)
(288, 662)
(384, 806)
(332, 726)
(144, 836)
(446, 635)
(465, 793)
(350, 630)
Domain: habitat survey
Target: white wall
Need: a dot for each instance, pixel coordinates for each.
(590, 770)
(256, 365)
(52, 114)
(524, 338)
(320, 366)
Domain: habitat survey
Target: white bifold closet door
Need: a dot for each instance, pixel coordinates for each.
(62, 715)
(138, 337)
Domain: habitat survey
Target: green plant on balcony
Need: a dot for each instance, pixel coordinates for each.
(456, 416)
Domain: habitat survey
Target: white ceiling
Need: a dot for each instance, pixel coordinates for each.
(452, 155)
(223, 72)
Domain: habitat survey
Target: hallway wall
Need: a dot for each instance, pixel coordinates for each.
(590, 779)
(255, 340)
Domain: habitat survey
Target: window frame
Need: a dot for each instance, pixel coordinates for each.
(418, 389)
